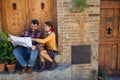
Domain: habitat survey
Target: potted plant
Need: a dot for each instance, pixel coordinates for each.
(2, 59)
(10, 60)
(3, 51)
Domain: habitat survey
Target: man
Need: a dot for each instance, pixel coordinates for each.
(23, 53)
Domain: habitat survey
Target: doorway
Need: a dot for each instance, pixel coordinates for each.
(109, 37)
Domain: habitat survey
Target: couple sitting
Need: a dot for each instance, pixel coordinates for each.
(38, 41)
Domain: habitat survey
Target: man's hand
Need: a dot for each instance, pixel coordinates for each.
(33, 47)
(9, 39)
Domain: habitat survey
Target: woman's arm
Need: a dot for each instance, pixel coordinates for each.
(46, 39)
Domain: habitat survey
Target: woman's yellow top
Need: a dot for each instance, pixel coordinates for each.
(49, 40)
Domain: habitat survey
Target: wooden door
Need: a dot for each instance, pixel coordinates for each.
(109, 37)
(14, 16)
(0, 5)
(17, 14)
(43, 10)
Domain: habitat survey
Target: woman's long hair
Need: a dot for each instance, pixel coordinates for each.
(50, 25)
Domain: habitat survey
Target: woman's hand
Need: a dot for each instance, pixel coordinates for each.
(33, 39)
(41, 48)
(33, 47)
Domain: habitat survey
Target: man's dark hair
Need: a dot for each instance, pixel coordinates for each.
(35, 21)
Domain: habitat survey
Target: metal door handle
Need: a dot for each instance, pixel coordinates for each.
(109, 30)
(42, 5)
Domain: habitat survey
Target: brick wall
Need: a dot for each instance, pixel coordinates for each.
(79, 29)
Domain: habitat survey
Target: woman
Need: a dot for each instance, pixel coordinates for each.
(50, 46)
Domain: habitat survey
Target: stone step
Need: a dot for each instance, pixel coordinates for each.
(114, 78)
(62, 72)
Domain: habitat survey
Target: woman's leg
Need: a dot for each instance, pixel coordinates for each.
(42, 59)
(43, 54)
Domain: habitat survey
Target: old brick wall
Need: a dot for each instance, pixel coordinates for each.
(79, 29)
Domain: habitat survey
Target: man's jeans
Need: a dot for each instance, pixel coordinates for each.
(23, 54)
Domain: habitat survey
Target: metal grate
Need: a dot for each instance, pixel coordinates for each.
(81, 54)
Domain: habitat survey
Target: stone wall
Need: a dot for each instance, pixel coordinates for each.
(79, 29)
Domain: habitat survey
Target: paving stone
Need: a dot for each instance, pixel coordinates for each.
(62, 72)
(114, 78)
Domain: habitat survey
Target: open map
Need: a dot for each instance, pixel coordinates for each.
(22, 41)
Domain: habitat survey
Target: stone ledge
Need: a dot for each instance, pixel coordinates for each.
(62, 72)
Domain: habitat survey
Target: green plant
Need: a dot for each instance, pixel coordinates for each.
(6, 49)
(3, 48)
(102, 74)
(79, 5)
(10, 59)
(2, 55)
